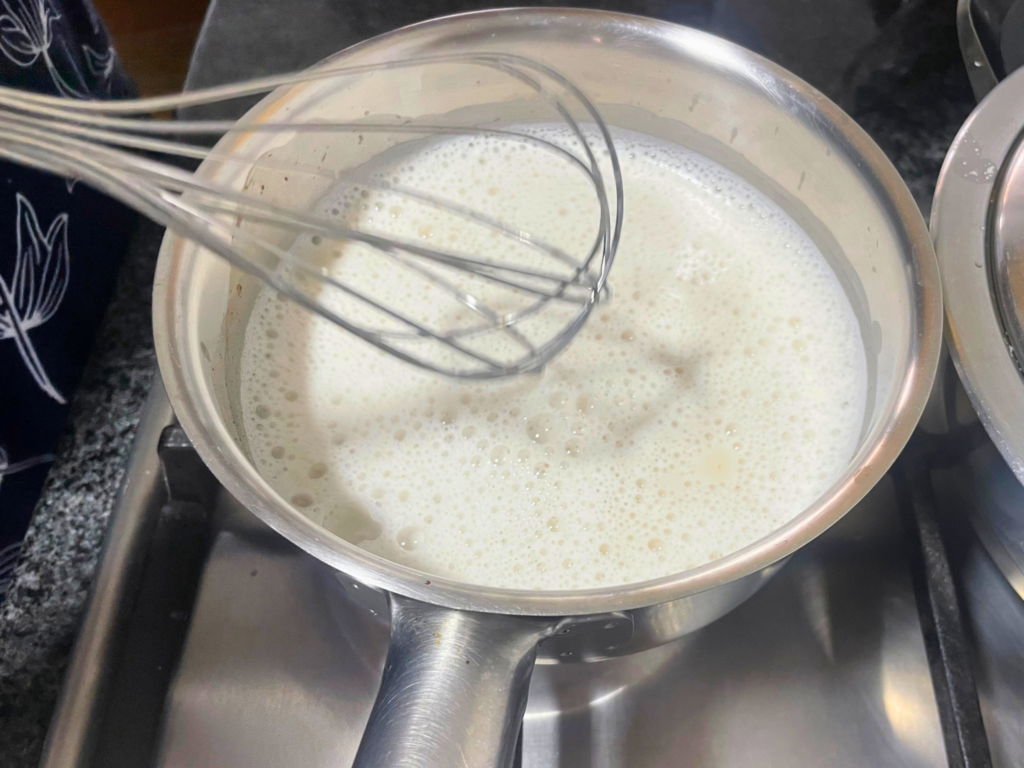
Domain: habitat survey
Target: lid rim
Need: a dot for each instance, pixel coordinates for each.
(965, 222)
(1006, 247)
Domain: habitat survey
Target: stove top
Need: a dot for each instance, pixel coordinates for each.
(211, 641)
(825, 666)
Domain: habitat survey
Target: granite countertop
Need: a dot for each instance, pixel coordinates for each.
(895, 67)
(39, 620)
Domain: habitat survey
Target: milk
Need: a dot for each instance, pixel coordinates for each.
(718, 393)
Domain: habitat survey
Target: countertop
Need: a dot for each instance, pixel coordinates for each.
(895, 67)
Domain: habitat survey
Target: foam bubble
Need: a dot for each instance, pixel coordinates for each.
(710, 402)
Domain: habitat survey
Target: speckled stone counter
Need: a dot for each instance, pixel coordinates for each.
(39, 620)
(899, 74)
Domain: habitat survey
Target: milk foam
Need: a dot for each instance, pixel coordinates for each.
(713, 399)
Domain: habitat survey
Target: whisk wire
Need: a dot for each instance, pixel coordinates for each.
(88, 140)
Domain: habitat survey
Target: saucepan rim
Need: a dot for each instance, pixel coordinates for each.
(198, 415)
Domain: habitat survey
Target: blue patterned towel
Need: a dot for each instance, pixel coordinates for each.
(60, 247)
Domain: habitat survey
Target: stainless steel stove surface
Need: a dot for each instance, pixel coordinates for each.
(213, 642)
(826, 666)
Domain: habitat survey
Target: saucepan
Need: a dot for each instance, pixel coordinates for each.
(454, 688)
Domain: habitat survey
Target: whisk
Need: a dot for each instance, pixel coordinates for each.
(525, 304)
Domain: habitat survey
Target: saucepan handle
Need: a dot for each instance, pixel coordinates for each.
(454, 688)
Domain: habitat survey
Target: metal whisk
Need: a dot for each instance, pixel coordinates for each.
(518, 306)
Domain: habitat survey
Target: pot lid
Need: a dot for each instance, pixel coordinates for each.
(978, 228)
(1006, 249)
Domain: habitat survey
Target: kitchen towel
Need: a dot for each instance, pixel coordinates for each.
(60, 246)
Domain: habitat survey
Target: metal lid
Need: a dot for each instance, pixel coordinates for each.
(1006, 252)
(978, 228)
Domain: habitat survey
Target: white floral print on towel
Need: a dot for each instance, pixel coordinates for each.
(26, 37)
(42, 268)
(9, 554)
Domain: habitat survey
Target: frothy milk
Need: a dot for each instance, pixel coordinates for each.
(715, 397)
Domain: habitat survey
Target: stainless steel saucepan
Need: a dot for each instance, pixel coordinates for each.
(454, 688)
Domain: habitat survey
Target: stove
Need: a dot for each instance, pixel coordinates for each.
(894, 639)
(210, 641)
